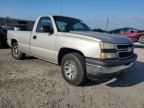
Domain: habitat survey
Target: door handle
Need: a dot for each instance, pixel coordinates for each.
(34, 37)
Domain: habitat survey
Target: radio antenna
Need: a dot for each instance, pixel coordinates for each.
(61, 7)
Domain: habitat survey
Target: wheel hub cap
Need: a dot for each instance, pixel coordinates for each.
(16, 51)
(70, 70)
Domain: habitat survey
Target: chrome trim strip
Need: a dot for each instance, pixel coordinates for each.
(124, 50)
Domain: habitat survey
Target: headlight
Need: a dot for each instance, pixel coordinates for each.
(108, 55)
(108, 51)
(105, 45)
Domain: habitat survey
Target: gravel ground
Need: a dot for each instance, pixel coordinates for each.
(34, 83)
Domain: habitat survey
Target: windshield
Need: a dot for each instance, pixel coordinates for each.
(66, 24)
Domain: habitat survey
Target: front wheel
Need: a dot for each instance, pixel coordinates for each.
(16, 53)
(141, 39)
(73, 69)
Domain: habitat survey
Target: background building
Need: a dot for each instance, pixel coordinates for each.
(11, 23)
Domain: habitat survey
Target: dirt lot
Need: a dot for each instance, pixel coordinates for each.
(33, 83)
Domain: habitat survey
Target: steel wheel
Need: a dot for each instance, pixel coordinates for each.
(16, 51)
(73, 69)
(70, 70)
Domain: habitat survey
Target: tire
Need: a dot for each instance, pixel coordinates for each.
(141, 39)
(73, 69)
(16, 53)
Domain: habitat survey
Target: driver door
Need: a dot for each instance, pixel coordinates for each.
(43, 40)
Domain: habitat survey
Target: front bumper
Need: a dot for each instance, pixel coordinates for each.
(106, 68)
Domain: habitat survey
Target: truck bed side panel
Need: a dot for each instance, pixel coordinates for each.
(23, 39)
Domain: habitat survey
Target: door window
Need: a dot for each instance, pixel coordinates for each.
(45, 25)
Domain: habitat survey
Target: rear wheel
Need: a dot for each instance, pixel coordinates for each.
(141, 39)
(73, 69)
(16, 53)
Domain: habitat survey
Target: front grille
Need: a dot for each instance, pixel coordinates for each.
(122, 47)
(125, 51)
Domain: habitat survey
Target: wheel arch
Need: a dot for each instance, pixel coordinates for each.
(65, 50)
(13, 41)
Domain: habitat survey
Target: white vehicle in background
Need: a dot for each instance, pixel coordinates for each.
(70, 43)
(16, 28)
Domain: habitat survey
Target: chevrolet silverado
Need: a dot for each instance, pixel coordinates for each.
(70, 43)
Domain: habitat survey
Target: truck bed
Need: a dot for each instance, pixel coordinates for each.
(23, 38)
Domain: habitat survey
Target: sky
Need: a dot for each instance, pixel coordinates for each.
(121, 13)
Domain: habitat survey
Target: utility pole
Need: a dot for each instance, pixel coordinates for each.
(7, 21)
(107, 24)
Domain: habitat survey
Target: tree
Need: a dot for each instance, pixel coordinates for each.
(99, 30)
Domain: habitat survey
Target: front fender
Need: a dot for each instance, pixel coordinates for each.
(87, 48)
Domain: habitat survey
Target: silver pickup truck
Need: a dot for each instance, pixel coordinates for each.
(70, 43)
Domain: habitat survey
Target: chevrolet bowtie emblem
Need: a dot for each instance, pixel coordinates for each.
(129, 49)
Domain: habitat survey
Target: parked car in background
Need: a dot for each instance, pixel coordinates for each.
(133, 34)
(3, 37)
(8, 27)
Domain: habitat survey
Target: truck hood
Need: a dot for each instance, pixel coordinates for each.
(104, 37)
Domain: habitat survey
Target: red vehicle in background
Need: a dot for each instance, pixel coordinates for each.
(133, 34)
